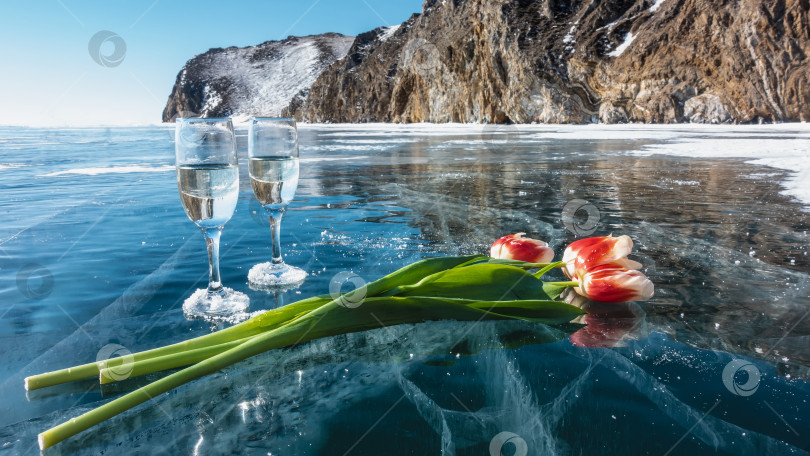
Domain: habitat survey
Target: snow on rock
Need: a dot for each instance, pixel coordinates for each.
(656, 5)
(569, 40)
(254, 80)
(609, 26)
(628, 40)
(388, 32)
(706, 108)
(569, 37)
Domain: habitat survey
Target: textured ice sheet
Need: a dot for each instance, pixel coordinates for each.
(784, 146)
(713, 233)
(322, 397)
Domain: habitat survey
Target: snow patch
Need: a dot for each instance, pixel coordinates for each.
(628, 40)
(609, 26)
(265, 86)
(786, 149)
(656, 5)
(212, 100)
(389, 32)
(569, 37)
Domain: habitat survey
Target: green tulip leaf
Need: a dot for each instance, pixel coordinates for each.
(485, 282)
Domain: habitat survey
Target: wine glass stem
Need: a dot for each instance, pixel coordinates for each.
(212, 244)
(275, 230)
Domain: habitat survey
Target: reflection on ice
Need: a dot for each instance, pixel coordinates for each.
(728, 253)
(607, 324)
(726, 250)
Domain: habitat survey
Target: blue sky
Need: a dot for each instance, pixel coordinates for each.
(49, 78)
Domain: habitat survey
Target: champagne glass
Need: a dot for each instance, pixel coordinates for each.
(208, 180)
(273, 156)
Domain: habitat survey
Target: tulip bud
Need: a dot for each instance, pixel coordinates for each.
(517, 247)
(582, 255)
(610, 283)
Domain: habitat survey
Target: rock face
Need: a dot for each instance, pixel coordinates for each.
(255, 80)
(579, 61)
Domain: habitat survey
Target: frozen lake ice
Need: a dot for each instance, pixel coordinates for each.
(95, 249)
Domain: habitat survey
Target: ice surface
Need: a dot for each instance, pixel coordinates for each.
(331, 159)
(780, 146)
(4, 166)
(726, 251)
(112, 170)
(784, 146)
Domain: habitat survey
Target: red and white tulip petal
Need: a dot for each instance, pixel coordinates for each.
(585, 254)
(609, 283)
(517, 247)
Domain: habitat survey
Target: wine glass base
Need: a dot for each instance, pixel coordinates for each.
(203, 304)
(275, 289)
(274, 274)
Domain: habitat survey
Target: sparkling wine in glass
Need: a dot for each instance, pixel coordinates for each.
(208, 181)
(273, 156)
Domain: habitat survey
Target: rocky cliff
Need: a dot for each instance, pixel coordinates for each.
(255, 80)
(574, 61)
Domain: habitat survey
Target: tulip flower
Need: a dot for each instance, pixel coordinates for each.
(517, 247)
(611, 283)
(585, 254)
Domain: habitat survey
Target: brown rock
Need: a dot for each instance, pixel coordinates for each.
(550, 61)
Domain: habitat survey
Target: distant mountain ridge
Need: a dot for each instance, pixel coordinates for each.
(562, 61)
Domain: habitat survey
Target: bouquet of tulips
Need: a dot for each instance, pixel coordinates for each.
(467, 288)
